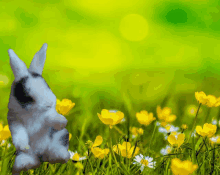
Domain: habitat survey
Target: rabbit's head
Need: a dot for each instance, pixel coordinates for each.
(29, 92)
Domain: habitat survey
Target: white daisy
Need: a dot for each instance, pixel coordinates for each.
(158, 123)
(214, 122)
(123, 120)
(144, 161)
(215, 139)
(168, 128)
(4, 142)
(75, 156)
(194, 133)
(166, 150)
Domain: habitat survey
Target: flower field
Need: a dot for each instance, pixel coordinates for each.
(142, 144)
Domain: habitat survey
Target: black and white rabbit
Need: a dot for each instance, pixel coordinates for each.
(38, 131)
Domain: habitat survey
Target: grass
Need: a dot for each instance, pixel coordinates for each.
(85, 125)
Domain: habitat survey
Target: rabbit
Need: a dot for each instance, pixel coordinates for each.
(38, 131)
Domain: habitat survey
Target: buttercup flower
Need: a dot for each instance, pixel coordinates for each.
(110, 118)
(98, 152)
(63, 107)
(179, 167)
(166, 150)
(144, 117)
(75, 156)
(79, 166)
(165, 115)
(201, 97)
(184, 126)
(125, 149)
(176, 139)
(70, 136)
(210, 100)
(4, 132)
(136, 131)
(208, 130)
(144, 161)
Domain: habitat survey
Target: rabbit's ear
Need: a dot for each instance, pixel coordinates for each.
(37, 64)
(18, 67)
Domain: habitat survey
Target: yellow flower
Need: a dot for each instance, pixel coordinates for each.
(98, 152)
(110, 118)
(4, 132)
(75, 156)
(179, 167)
(89, 143)
(176, 139)
(184, 126)
(208, 130)
(31, 171)
(125, 149)
(79, 166)
(136, 131)
(98, 141)
(70, 136)
(63, 107)
(144, 117)
(201, 97)
(210, 100)
(165, 115)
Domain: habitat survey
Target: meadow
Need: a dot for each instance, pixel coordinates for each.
(126, 74)
(134, 139)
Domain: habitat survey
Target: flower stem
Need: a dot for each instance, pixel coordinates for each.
(218, 119)
(207, 116)
(110, 146)
(213, 161)
(204, 140)
(134, 148)
(120, 131)
(152, 135)
(194, 122)
(84, 170)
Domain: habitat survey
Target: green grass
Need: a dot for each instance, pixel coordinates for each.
(85, 125)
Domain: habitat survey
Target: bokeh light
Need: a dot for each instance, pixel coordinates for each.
(7, 23)
(134, 27)
(192, 109)
(4, 80)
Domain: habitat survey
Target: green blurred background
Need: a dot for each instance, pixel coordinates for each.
(102, 52)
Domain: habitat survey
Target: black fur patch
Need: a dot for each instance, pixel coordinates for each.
(36, 75)
(65, 139)
(21, 93)
(52, 131)
(40, 157)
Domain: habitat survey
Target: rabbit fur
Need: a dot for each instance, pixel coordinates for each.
(38, 131)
